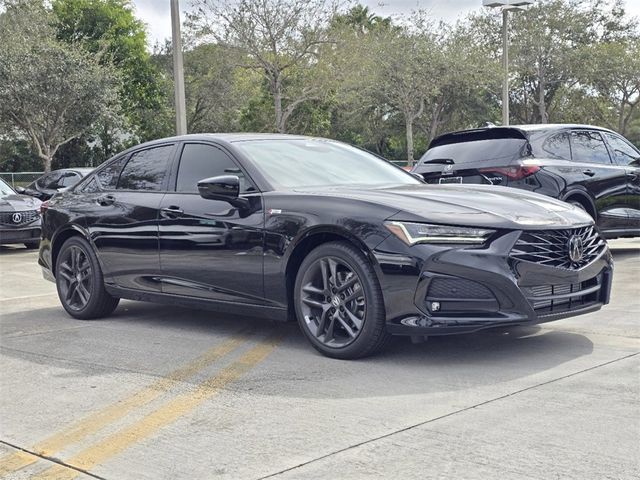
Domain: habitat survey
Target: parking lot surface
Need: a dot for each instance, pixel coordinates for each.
(157, 392)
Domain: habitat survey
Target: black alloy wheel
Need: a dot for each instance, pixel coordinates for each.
(339, 302)
(79, 281)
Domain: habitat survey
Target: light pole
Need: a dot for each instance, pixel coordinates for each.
(178, 69)
(506, 5)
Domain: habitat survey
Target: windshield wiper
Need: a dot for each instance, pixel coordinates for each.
(443, 161)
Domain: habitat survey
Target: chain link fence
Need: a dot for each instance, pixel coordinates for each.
(19, 179)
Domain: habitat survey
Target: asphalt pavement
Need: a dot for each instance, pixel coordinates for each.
(157, 392)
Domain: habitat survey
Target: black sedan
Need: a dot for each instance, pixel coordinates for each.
(594, 168)
(19, 217)
(290, 227)
(54, 182)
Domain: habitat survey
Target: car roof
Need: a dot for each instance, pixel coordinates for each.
(233, 137)
(512, 131)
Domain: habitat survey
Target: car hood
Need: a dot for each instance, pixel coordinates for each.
(18, 203)
(470, 205)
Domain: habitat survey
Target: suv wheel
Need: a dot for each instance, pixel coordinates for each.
(339, 302)
(80, 283)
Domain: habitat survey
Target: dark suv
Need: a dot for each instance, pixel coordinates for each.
(591, 167)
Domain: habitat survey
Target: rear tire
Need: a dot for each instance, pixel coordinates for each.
(339, 303)
(80, 282)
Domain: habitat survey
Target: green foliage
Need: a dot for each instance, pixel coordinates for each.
(50, 92)
(109, 30)
(316, 67)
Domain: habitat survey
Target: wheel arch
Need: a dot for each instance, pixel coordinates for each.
(62, 236)
(584, 199)
(311, 239)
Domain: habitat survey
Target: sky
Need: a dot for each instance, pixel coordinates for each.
(156, 14)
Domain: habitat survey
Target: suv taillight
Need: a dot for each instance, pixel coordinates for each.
(516, 172)
(44, 206)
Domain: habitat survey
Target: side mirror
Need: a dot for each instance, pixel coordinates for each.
(225, 188)
(20, 190)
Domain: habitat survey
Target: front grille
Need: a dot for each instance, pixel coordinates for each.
(548, 299)
(554, 247)
(456, 288)
(16, 219)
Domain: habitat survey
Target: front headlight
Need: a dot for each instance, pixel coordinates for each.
(412, 233)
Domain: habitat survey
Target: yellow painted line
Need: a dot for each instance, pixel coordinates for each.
(98, 420)
(154, 421)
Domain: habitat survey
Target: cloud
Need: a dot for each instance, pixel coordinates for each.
(156, 13)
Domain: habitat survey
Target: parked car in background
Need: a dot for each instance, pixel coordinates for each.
(292, 227)
(53, 182)
(590, 167)
(19, 217)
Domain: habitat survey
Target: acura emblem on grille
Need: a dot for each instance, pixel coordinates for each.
(575, 248)
(16, 217)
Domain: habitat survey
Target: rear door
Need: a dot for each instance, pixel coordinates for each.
(122, 217)
(210, 249)
(627, 156)
(605, 181)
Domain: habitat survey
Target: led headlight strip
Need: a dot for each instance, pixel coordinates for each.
(413, 233)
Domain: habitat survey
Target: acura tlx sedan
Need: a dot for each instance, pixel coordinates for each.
(302, 228)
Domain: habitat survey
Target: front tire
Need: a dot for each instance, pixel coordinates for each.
(80, 282)
(339, 303)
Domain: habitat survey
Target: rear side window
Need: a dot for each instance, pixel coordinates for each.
(146, 169)
(557, 146)
(589, 147)
(503, 149)
(623, 153)
(199, 161)
(108, 176)
(49, 182)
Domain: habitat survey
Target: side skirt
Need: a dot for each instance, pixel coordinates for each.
(271, 313)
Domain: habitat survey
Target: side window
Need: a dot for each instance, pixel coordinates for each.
(623, 153)
(589, 147)
(91, 186)
(199, 161)
(557, 146)
(146, 169)
(108, 176)
(49, 182)
(67, 179)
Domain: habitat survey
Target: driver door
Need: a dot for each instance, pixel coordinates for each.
(210, 249)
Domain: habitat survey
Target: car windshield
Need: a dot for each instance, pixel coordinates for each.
(5, 189)
(310, 162)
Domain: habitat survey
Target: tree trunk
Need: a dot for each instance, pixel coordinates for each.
(409, 125)
(276, 90)
(542, 104)
(47, 163)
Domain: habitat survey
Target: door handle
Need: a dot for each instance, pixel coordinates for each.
(589, 172)
(106, 200)
(171, 212)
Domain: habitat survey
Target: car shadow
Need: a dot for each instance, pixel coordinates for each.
(18, 248)
(444, 363)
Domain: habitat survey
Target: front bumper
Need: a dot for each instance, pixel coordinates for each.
(19, 235)
(445, 289)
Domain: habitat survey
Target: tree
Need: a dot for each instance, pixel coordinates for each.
(281, 39)
(50, 92)
(109, 30)
(613, 71)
